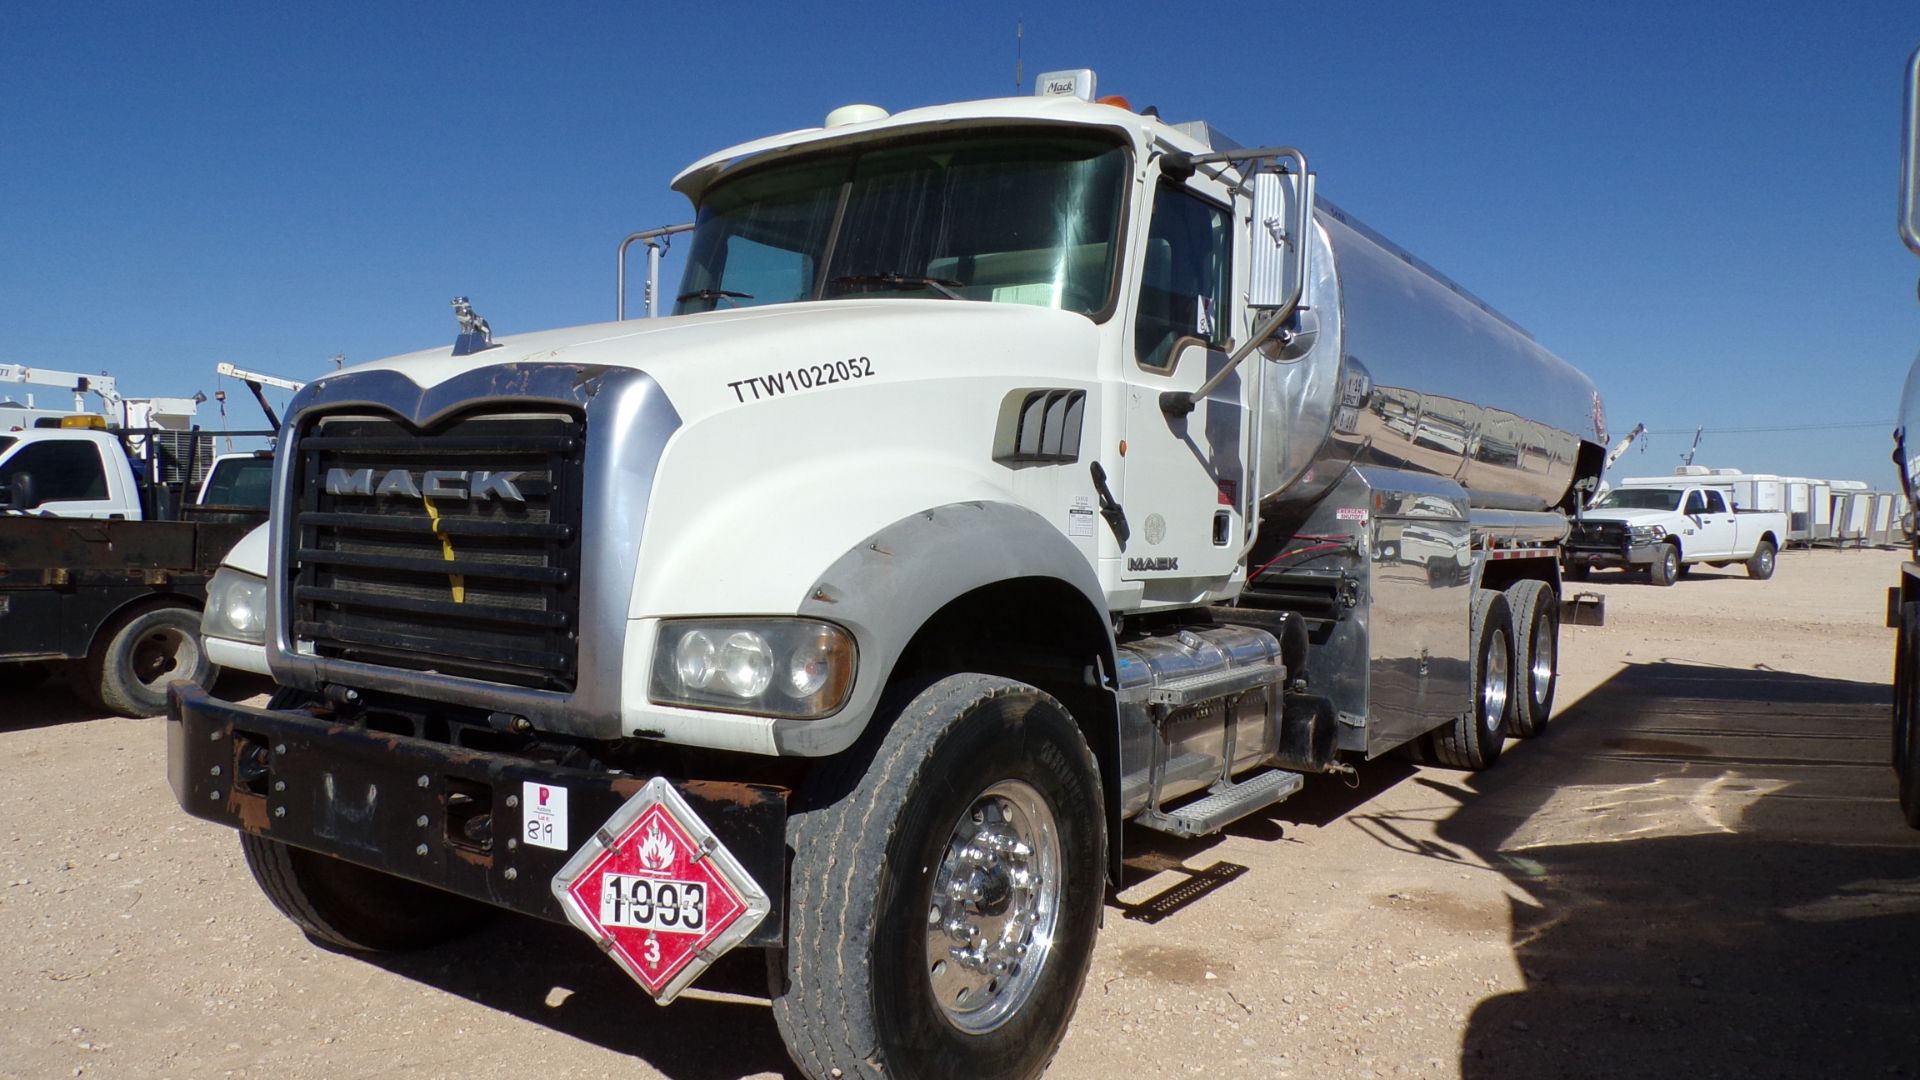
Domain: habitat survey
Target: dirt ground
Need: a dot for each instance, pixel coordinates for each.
(1698, 870)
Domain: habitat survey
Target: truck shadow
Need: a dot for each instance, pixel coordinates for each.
(1715, 879)
(49, 703)
(553, 976)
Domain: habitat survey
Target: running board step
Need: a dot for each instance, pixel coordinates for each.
(1194, 689)
(1225, 806)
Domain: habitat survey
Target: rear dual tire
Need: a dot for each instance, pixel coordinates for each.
(1536, 654)
(1473, 741)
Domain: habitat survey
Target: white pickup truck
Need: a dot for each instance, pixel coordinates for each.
(1667, 524)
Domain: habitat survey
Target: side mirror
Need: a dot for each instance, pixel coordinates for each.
(1277, 246)
(21, 493)
(1282, 205)
(1910, 159)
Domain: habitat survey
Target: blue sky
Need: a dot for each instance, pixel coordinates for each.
(1693, 202)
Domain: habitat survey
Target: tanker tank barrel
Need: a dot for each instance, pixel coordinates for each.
(1407, 370)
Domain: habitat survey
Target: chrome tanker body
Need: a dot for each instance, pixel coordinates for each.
(1400, 368)
(1418, 454)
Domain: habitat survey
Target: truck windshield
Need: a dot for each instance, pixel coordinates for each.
(1031, 219)
(246, 481)
(1640, 499)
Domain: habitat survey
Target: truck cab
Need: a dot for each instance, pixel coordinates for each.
(68, 472)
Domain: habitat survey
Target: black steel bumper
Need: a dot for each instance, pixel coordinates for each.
(441, 815)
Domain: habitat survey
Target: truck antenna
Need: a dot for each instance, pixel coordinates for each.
(1019, 61)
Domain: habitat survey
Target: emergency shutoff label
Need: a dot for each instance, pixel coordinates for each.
(544, 815)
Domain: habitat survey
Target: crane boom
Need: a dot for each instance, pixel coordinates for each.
(1638, 430)
(224, 368)
(254, 381)
(104, 385)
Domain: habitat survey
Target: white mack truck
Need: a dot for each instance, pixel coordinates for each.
(1903, 599)
(1006, 471)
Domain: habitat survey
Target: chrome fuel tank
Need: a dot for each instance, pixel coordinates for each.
(1406, 370)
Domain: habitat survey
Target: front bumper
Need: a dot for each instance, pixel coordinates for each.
(1630, 555)
(444, 816)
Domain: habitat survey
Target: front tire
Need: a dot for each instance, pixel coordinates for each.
(944, 898)
(1906, 710)
(351, 907)
(1760, 566)
(1473, 740)
(1665, 570)
(1536, 654)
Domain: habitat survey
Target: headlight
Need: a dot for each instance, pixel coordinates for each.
(1647, 534)
(794, 668)
(236, 607)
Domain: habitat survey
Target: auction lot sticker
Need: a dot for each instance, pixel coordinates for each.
(544, 815)
(659, 892)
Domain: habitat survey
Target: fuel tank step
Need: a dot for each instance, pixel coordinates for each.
(1225, 806)
(1193, 689)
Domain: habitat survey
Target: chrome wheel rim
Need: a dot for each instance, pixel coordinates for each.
(1495, 687)
(996, 900)
(162, 655)
(1766, 560)
(1540, 672)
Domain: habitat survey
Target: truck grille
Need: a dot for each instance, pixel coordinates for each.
(1599, 534)
(455, 551)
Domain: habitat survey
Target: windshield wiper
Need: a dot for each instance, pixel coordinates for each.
(711, 295)
(943, 286)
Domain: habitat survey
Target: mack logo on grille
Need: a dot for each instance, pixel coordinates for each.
(477, 485)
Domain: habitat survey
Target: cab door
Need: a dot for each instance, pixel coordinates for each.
(1185, 475)
(1712, 522)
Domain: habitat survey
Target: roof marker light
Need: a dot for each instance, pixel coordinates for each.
(1077, 82)
(854, 114)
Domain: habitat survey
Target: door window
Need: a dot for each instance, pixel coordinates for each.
(1715, 504)
(1183, 288)
(62, 471)
(1696, 504)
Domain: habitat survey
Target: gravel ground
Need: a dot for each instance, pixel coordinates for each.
(1698, 870)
